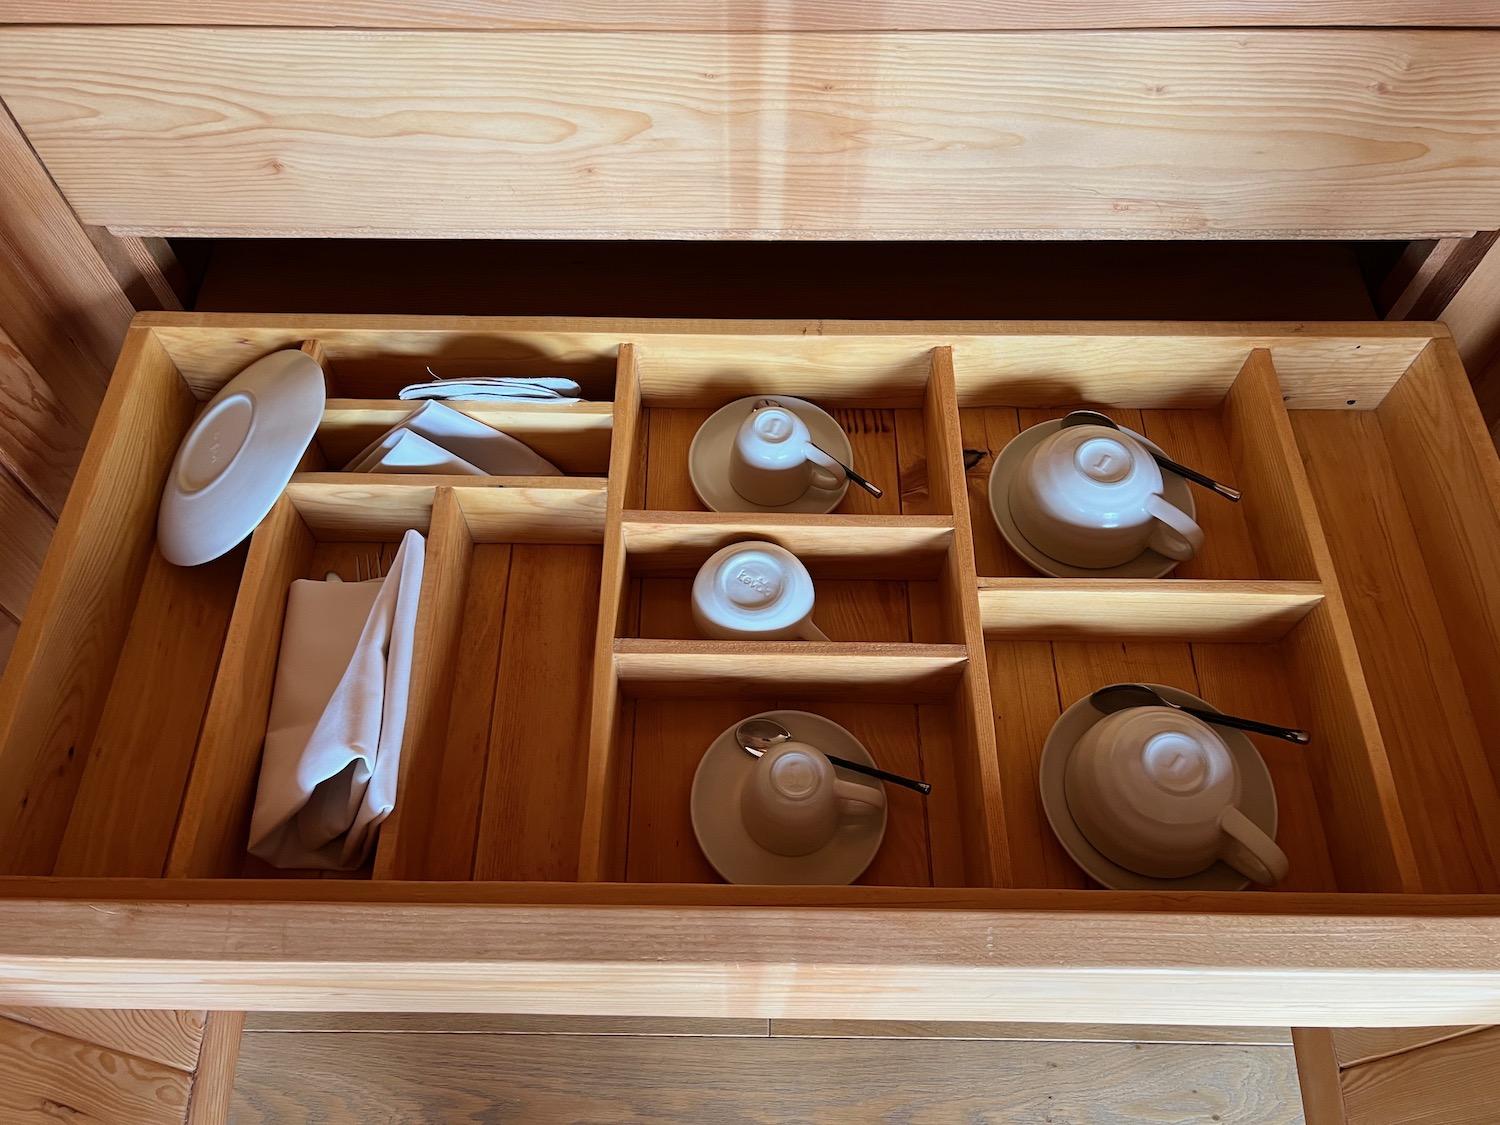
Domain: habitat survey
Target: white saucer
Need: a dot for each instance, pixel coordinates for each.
(708, 457)
(1257, 801)
(238, 457)
(1148, 564)
(739, 859)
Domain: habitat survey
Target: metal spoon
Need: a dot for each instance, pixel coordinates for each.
(1094, 418)
(759, 735)
(1122, 697)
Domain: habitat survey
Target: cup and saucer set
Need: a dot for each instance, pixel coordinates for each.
(770, 453)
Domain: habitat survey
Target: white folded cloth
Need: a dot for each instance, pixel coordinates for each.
(338, 716)
(435, 438)
(543, 388)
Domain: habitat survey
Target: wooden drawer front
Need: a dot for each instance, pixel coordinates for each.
(561, 697)
(241, 131)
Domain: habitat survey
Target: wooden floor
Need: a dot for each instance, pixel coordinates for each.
(333, 1070)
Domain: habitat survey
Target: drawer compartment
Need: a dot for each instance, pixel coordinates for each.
(562, 698)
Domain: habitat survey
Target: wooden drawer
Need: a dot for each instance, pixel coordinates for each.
(540, 858)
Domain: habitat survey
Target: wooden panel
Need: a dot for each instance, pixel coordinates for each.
(1355, 1045)
(41, 440)
(1318, 1076)
(684, 135)
(168, 1037)
(23, 547)
(8, 629)
(55, 688)
(213, 1084)
(535, 780)
(44, 1077)
(138, 760)
(831, 15)
(1449, 1083)
(460, 1023)
(855, 670)
(346, 1079)
(1038, 608)
(1051, 1032)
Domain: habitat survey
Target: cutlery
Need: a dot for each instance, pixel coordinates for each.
(758, 735)
(1122, 697)
(872, 489)
(1094, 418)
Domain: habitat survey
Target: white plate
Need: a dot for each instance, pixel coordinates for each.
(238, 456)
(739, 859)
(1257, 801)
(708, 457)
(1148, 564)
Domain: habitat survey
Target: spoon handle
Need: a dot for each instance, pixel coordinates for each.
(873, 489)
(1198, 478)
(870, 771)
(1290, 734)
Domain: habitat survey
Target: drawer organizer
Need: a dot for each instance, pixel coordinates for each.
(561, 698)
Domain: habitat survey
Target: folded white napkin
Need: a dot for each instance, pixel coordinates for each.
(435, 438)
(544, 388)
(338, 715)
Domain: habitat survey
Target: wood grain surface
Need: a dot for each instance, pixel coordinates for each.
(191, 131)
(171, 1038)
(287, 1078)
(41, 439)
(1356, 1045)
(775, 15)
(1453, 1082)
(49, 1077)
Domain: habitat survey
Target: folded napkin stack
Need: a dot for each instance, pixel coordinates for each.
(497, 389)
(338, 716)
(435, 438)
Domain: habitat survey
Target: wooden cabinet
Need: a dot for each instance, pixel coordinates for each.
(540, 858)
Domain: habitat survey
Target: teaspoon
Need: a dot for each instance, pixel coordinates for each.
(759, 735)
(1094, 418)
(1122, 697)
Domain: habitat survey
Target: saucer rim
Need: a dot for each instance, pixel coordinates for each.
(1259, 790)
(1147, 565)
(815, 501)
(724, 744)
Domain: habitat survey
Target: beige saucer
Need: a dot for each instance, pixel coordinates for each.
(1148, 564)
(739, 859)
(708, 457)
(1257, 801)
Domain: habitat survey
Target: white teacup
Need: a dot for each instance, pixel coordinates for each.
(754, 592)
(1156, 791)
(774, 461)
(792, 801)
(1092, 497)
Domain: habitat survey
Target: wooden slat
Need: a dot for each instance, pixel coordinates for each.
(44, 1076)
(213, 1083)
(145, 268)
(1355, 1045)
(1449, 1083)
(996, 121)
(1041, 608)
(345, 1079)
(534, 785)
(1048, 1032)
(1433, 284)
(214, 822)
(23, 547)
(832, 15)
(461, 1023)
(168, 1037)
(8, 629)
(1318, 1076)
(65, 656)
(812, 668)
(138, 760)
(41, 440)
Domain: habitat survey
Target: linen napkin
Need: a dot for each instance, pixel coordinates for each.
(458, 441)
(498, 389)
(338, 716)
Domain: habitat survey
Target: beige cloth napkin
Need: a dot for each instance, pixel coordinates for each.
(338, 715)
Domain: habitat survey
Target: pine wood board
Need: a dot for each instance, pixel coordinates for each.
(41, 440)
(1357, 1045)
(988, 142)
(1448, 1083)
(1050, 1032)
(23, 547)
(9, 626)
(44, 1076)
(462, 1023)
(171, 1038)
(213, 1082)
(419, 1078)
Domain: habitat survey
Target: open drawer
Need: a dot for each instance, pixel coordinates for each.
(541, 857)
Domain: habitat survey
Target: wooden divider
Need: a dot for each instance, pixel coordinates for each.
(1357, 796)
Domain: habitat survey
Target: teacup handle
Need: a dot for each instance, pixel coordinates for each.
(1176, 535)
(1249, 850)
(826, 472)
(811, 632)
(853, 793)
